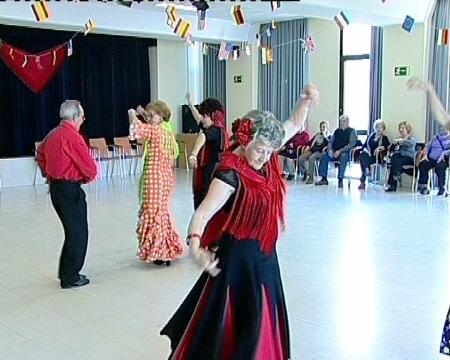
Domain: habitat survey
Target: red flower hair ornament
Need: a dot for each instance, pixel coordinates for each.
(245, 131)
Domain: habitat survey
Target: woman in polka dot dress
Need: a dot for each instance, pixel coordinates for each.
(158, 241)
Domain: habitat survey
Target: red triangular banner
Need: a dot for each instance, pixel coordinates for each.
(35, 70)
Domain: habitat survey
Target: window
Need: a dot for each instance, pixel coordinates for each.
(355, 75)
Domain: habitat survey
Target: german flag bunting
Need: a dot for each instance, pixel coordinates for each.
(41, 10)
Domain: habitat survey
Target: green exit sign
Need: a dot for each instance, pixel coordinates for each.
(401, 71)
(238, 79)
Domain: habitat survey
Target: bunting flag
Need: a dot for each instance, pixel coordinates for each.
(275, 5)
(171, 15)
(41, 10)
(238, 14)
(201, 15)
(236, 53)
(258, 40)
(341, 20)
(408, 23)
(35, 70)
(248, 50)
(264, 55)
(268, 32)
(205, 49)
(269, 55)
(126, 3)
(273, 26)
(223, 51)
(310, 43)
(69, 48)
(89, 26)
(182, 28)
(189, 40)
(443, 37)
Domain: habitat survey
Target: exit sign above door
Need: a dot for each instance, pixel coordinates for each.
(402, 71)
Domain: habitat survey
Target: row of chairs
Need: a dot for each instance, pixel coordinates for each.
(127, 154)
(123, 152)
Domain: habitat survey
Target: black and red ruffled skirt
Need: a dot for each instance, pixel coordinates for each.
(238, 315)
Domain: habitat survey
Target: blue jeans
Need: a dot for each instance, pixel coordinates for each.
(326, 158)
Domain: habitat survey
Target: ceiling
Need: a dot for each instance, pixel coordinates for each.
(373, 12)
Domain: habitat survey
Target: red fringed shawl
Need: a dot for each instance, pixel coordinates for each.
(258, 208)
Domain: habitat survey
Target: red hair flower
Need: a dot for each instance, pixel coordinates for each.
(245, 131)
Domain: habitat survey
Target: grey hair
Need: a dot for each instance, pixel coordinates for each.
(70, 109)
(379, 122)
(269, 130)
(344, 117)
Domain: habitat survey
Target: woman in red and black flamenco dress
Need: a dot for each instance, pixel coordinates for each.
(209, 144)
(236, 310)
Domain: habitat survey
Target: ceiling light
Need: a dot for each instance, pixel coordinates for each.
(178, 7)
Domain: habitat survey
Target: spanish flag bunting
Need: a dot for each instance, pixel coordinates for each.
(341, 20)
(89, 26)
(182, 28)
(238, 15)
(41, 10)
(443, 37)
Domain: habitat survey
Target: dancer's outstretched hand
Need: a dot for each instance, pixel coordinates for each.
(189, 97)
(311, 92)
(204, 258)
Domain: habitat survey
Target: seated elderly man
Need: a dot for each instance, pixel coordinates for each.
(343, 140)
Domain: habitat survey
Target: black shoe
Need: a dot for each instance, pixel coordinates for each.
(82, 276)
(158, 262)
(167, 263)
(442, 192)
(78, 283)
(290, 177)
(323, 181)
(305, 177)
(424, 191)
(340, 184)
(391, 189)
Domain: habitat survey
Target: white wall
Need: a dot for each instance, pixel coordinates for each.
(402, 48)
(242, 97)
(172, 76)
(324, 72)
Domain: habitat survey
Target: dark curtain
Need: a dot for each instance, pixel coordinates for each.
(376, 59)
(281, 83)
(214, 76)
(108, 74)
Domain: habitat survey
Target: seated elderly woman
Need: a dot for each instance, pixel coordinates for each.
(375, 147)
(314, 152)
(403, 152)
(436, 154)
(289, 151)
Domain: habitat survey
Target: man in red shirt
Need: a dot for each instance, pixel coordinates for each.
(64, 158)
